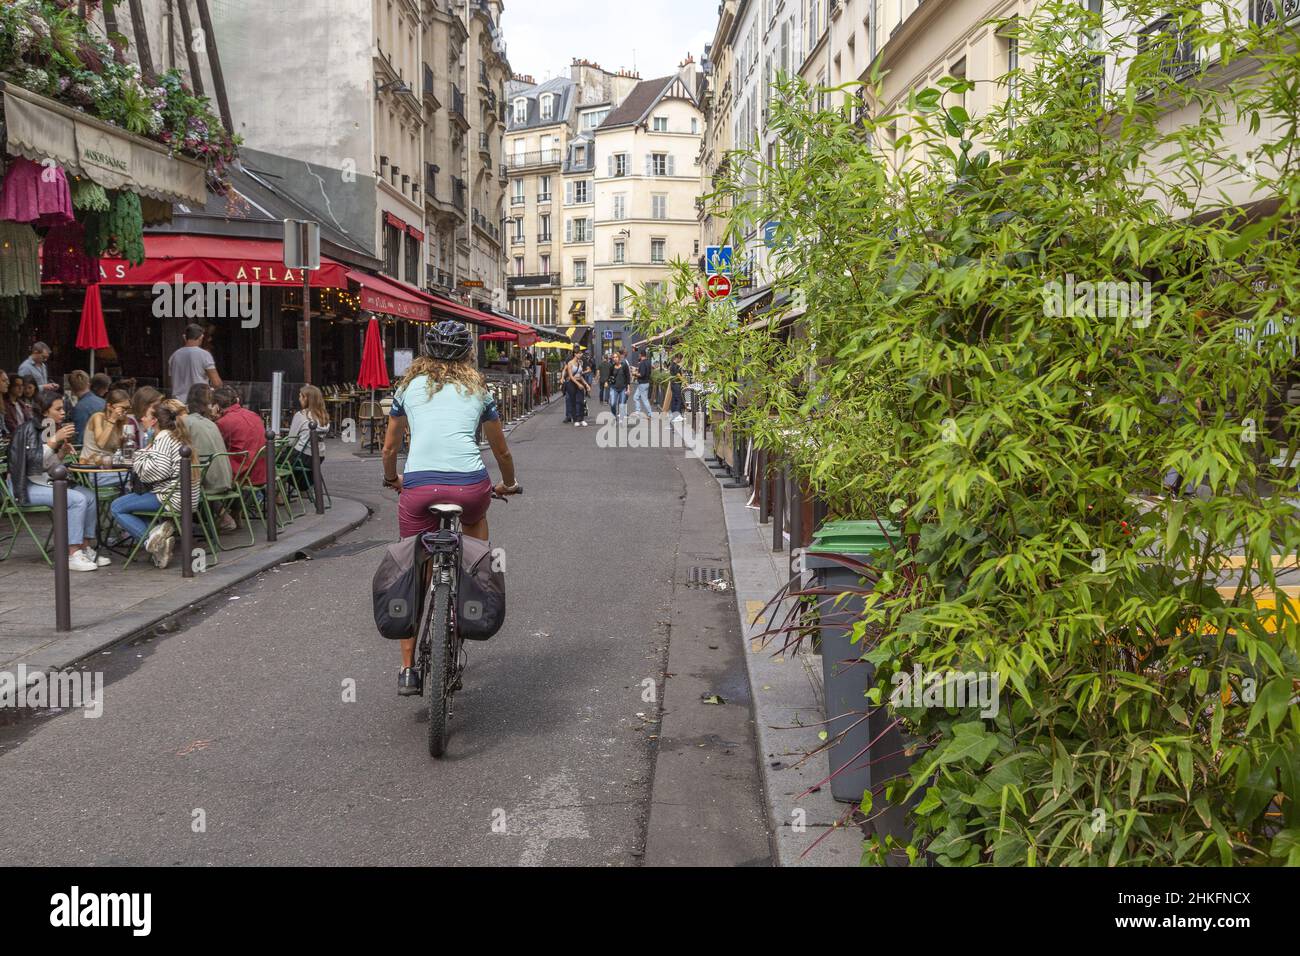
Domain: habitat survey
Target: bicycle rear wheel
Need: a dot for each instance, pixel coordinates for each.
(440, 677)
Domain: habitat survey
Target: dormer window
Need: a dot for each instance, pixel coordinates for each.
(521, 110)
(548, 106)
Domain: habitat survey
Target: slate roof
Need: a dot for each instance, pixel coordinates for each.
(564, 89)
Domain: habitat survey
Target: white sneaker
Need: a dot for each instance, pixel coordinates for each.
(155, 536)
(79, 562)
(93, 555)
(163, 556)
(577, 424)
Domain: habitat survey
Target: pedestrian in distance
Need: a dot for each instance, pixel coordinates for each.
(191, 365)
(581, 381)
(641, 397)
(620, 376)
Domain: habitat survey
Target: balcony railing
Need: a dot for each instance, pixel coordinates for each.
(458, 104)
(490, 228)
(540, 157)
(535, 281)
(458, 193)
(484, 143)
(518, 240)
(1264, 12)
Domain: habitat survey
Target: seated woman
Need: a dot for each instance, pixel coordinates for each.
(39, 445)
(27, 397)
(103, 436)
(141, 400)
(312, 410)
(7, 428)
(159, 469)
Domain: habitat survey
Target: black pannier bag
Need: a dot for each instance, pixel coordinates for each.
(396, 589)
(482, 598)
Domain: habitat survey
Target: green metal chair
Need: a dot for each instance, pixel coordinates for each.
(17, 515)
(237, 494)
(286, 478)
(167, 513)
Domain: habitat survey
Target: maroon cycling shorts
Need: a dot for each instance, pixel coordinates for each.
(413, 515)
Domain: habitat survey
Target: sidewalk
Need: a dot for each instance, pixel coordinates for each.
(788, 704)
(111, 605)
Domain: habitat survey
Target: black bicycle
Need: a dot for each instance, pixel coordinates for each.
(441, 651)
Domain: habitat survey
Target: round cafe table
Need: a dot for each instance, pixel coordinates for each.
(91, 473)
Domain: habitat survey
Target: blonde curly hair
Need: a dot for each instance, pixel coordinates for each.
(438, 373)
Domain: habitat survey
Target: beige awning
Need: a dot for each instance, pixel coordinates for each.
(40, 129)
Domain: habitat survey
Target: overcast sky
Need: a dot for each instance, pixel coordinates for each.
(543, 36)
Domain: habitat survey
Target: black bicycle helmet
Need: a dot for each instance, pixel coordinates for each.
(448, 341)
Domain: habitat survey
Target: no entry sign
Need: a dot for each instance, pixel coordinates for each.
(719, 287)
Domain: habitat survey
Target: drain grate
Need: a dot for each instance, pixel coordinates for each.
(715, 579)
(347, 550)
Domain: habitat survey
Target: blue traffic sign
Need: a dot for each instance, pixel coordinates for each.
(717, 260)
(769, 233)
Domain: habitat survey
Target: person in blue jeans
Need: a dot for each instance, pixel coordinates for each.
(620, 375)
(38, 447)
(641, 397)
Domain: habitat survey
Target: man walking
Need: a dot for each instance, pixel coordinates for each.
(641, 397)
(34, 365)
(674, 401)
(620, 375)
(191, 365)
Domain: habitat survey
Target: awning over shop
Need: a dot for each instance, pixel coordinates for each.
(655, 339)
(169, 257)
(392, 298)
(464, 313)
(40, 128)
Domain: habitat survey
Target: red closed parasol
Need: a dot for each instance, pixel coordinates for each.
(374, 373)
(92, 334)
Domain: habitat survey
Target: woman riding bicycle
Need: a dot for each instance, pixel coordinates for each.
(443, 400)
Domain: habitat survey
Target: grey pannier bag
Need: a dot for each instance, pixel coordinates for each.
(482, 598)
(396, 589)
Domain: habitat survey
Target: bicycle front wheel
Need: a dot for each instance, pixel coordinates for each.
(441, 665)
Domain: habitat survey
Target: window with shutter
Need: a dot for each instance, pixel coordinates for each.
(611, 167)
(568, 194)
(568, 230)
(670, 165)
(649, 165)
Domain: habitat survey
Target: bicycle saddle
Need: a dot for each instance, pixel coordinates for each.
(446, 509)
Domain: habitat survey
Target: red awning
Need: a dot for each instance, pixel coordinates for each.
(394, 221)
(415, 234)
(391, 297)
(454, 310)
(216, 259)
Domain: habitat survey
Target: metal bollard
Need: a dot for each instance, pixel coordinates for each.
(62, 584)
(778, 508)
(317, 482)
(272, 533)
(187, 512)
(764, 493)
(796, 524)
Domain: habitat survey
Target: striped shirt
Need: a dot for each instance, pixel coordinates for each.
(159, 467)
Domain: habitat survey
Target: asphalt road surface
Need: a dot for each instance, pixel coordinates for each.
(232, 739)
